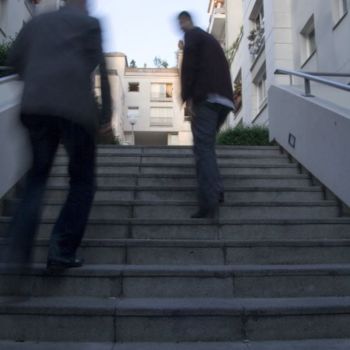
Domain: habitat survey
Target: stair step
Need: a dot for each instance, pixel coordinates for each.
(183, 151)
(184, 209)
(187, 160)
(57, 346)
(199, 230)
(250, 281)
(190, 193)
(149, 252)
(161, 180)
(319, 344)
(179, 170)
(174, 320)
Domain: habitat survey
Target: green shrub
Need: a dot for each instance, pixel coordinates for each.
(4, 51)
(244, 136)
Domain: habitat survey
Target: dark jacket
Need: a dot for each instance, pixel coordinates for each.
(205, 69)
(55, 55)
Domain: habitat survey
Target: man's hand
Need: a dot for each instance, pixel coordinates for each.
(189, 110)
(105, 128)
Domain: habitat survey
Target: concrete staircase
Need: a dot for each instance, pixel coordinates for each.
(273, 272)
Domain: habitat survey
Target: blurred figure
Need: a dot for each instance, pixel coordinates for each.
(55, 55)
(208, 93)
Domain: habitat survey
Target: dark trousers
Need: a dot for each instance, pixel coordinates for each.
(205, 124)
(45, 134)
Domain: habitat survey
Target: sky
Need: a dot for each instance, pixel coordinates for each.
(143, 29)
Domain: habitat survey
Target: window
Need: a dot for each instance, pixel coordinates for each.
(162, 92)
(161, 116)
(308, 36)
(134, 87)
(339, 10)
(133, 113)
(261, 89)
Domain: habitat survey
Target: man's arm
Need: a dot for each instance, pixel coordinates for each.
(96, 54)
(17, 55)
(190, 64)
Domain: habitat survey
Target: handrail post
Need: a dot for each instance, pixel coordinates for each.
(307, 88)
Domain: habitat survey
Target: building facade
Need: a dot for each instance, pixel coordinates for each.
(15, 13)
(147, 104)
(261, 36)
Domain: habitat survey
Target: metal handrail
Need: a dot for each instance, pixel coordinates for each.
(328, 74)
(4, 68)
(312, 77)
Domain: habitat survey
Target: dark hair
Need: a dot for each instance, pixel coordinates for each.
(185, 14)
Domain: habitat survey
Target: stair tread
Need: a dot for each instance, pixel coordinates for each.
(193, 188)
(197, 270)
(140, 243)
(184, 221)
(319, 344)
(138, 202)
(176, 306)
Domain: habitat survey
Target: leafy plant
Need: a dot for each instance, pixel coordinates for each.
(5, 48)
(244, 136)
(232, 50)
(133, 64)
(159, 63)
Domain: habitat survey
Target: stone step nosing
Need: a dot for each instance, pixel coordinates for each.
(150, 307)
(186, 176)
(194, 188)
(199, 271)
(172, 165)
(191, 222)
(140, 203)
(202, 244)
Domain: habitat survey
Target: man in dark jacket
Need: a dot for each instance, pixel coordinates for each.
(55, 55)
(208, 94)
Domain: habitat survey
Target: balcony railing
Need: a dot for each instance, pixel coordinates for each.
(159, 97)
(164, 122)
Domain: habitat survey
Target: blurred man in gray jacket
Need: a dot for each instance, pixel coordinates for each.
(56, 55)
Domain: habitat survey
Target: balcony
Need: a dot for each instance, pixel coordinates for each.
(217, 23)
(256, 42)
(162, 122)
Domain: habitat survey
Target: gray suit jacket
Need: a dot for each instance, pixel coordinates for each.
(56, 55)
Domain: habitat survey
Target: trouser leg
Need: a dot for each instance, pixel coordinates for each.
(204, 126)
(71, 224)
(44, 140)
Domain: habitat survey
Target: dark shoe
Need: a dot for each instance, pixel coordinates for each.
(204, 214)
(222, 198)
(64, 264)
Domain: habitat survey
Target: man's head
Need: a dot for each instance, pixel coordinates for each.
(82, 4)
(185, 21)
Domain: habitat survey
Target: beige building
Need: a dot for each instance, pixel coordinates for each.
(147, 104)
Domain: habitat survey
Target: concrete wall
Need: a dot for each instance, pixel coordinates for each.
(321, 131)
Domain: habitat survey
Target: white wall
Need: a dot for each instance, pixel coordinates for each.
(13, 14)
(322, 132)
(14, 150)
(333, 54)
